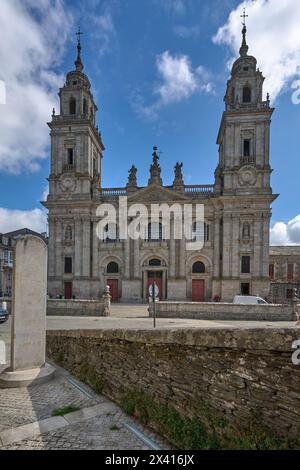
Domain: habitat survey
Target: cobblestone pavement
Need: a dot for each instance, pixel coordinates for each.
(19, 407)
(101, 433)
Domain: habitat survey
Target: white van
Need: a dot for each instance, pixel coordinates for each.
(249, 300)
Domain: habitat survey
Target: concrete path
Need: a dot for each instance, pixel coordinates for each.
(26, 420)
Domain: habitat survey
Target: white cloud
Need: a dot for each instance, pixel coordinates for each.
(273, 38)
(11, 220)
(286, 234)
(103, 32)
(178, 80)
(33, 35)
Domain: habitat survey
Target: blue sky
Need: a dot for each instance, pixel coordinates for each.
(158, 70)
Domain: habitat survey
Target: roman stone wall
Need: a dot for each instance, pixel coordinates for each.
(222, 311)
(224, 377)
(78, 308)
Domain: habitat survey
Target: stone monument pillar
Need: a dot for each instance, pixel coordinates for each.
(29, 304)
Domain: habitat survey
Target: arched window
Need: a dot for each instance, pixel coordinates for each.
(246, 230)
(110, 233)
(200, 231)
(246, 94)
(72, 106)
(155, 231)
(68, 233)
(232, 95)
(198, 268)
(155, 262)
(112, 268)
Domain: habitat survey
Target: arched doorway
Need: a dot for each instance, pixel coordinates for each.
(112, 271)
(198, 284)
(155, 272)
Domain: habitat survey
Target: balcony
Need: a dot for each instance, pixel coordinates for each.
(69, 168)
(112, 193)
(248, 160)
(200, 190)
(248, 106)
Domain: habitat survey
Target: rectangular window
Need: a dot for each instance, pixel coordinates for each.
(245, 264)
(246, 150)
(245, 288)
(8, 258)
(70, 157)
(68, 265)
(289, 293)
(290, 272)
(271, 271)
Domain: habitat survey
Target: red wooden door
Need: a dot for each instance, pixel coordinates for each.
(113, 289)
(68, 290)
(158, 282)
(198, 290)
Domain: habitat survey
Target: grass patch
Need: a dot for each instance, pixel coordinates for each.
(58, 358)
(185, 433)
(65, 410)
(114, 427)
(257, 436)
(207, 430)
(87, 374)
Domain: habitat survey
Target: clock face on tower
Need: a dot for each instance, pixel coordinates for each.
(67, 183)
(247, 176)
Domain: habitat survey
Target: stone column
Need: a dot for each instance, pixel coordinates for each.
(86, 252)
(136, 256)
(216, 272)
(235, 244)
(226, 244)
(266, 245)
(95, 266)
(78, 245)
(126, 247)
(257, 261)
(28, 315)
(51, 261)
(172, 252)
(182, 257)
(58, 244)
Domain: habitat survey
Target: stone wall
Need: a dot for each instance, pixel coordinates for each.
(78, 308)
(222, 311)
(234, 373)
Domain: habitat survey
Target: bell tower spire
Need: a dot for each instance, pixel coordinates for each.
(78, 63)
(244, 47)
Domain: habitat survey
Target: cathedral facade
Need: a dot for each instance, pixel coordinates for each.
(237, 206)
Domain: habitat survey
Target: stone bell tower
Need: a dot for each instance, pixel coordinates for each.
(76, 143)
(74, 182)
(242, 179)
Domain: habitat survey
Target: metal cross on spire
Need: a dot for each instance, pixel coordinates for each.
(244, 16)
(79, 34)
(78, 62)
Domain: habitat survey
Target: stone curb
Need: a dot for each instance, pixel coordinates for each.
(29, 431)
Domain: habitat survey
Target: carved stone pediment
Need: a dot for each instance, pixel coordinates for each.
(154, 193)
